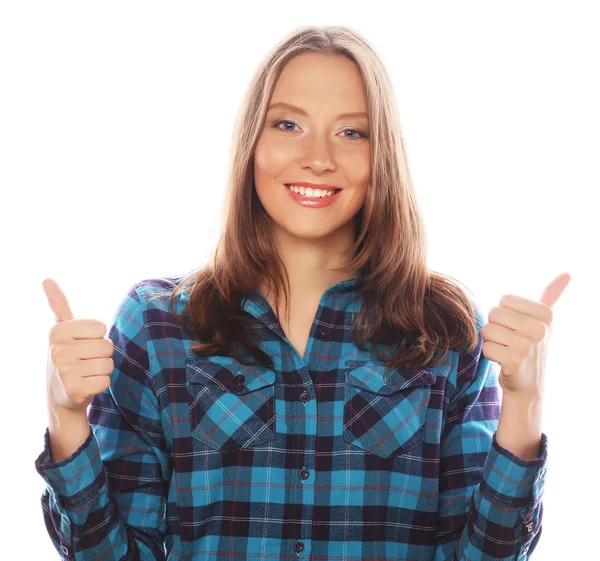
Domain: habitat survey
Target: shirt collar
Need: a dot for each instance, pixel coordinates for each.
(337, 296)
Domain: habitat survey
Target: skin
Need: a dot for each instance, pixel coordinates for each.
(318, 147)
(319, 150)
(516, 337)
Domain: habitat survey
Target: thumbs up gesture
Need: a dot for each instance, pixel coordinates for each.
(516, 337)
(79, 355)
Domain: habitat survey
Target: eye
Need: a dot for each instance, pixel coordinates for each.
(356, 131)
(360, 134)
(277, 123)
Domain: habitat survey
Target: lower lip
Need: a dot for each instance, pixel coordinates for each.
(313, 202)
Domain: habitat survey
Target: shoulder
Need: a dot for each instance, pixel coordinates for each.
(480, 317)
(155, 293)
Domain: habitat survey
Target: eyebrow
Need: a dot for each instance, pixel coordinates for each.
(302, 112)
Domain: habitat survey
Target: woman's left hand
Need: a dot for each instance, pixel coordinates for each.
(516, 337)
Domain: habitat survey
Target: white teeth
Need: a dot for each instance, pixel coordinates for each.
(310, 192)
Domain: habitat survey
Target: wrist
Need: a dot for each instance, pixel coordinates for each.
(520, 426)
(59, 415)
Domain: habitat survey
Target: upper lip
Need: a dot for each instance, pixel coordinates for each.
(323, 186)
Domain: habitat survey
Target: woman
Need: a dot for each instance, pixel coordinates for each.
(317, 391)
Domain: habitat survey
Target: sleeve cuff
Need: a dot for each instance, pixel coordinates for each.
(510, 481)
(73, 478)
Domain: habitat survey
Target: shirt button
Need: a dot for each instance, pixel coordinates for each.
(303, 473)
(65, 550)
(525, 550)
(298, 546)
(529, 527)
(304, 396)
(542, 473)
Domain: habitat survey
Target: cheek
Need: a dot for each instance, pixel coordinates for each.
(270, 158)
(357, 165)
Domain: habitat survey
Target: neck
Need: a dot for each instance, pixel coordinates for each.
(311, 264)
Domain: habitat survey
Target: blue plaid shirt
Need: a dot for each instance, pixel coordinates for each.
(318, 458)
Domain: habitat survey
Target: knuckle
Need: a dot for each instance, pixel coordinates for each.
(110, 346)
(493, 313)
(53, 333)
(58, 351)
(53, 353)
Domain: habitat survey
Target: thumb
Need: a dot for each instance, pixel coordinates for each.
(57, 300)
(555, 289)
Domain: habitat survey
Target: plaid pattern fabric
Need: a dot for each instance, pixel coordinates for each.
(320, 458)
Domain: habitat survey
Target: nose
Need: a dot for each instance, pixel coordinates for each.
(317, 154)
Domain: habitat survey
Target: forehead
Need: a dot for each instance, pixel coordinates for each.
(314, 77)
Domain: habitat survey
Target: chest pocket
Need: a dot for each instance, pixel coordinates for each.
(385, 415)
(232, 405)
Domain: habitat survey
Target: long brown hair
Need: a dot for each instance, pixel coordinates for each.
(423, 310)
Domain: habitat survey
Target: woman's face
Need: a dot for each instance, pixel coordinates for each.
(315, 143)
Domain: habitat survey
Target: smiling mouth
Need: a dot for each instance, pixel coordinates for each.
(335, 191)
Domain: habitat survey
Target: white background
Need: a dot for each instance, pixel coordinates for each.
(115, 129)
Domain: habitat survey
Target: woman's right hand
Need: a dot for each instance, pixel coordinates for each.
(79, 356)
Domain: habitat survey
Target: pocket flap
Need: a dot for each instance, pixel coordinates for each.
(371, 376)
(227, 374)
